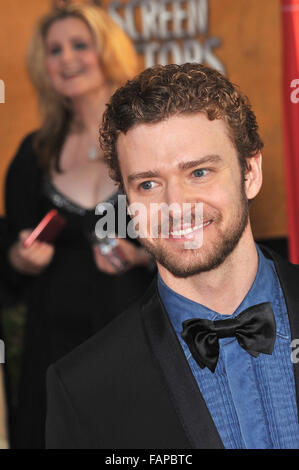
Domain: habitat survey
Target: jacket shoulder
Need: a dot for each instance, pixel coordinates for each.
(114, 347)
(279, 260)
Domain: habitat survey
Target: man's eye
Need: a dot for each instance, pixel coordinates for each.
(146, 185)
(199, 173)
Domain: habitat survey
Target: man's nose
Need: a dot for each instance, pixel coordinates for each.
(175, 198)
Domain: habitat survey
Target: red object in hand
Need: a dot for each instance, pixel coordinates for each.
(48, 228)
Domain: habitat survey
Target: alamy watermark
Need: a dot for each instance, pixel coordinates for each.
(174, 221)
(295, 93)
(2, 91)
(295, 351)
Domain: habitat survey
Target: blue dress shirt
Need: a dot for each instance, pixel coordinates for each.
(251, 400)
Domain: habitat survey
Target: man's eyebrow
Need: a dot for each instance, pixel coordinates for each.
(200, 161)
(182, 166)
(142, 175)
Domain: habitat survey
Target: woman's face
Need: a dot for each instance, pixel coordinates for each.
(71, 58)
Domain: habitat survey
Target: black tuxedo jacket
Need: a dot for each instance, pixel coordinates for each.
(130, 386)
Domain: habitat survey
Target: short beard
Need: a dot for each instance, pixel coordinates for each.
(227, 244)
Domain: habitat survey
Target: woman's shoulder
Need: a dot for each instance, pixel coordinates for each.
(26, 145)
(25, 156)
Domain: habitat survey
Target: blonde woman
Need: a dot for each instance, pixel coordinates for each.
(77, 57)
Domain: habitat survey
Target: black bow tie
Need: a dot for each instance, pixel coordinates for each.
(254, 328)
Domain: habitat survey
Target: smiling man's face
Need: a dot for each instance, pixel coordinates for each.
(187, 159)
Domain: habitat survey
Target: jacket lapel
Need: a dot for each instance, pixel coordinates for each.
(183, 390)
(289, 280)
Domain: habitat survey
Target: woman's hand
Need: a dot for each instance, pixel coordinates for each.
(133, 255)
(30, 260)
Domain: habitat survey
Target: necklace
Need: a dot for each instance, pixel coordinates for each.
(93, 153)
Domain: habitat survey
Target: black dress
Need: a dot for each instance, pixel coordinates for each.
(70, 301)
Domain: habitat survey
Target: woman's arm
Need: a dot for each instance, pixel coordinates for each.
(22, 197)
(134, 256)
(30, 260)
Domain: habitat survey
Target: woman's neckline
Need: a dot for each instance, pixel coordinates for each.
(72, 201)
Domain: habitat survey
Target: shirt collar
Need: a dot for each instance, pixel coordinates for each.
(265, 288)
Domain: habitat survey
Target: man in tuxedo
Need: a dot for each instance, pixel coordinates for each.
(204, 360)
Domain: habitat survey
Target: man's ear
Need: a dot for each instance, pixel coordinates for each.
(253, 177)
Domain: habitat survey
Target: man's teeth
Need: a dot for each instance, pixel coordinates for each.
(180, 233)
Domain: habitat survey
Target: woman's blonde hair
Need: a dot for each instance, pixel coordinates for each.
(117, 57)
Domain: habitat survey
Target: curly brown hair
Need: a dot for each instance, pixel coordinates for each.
(163, 91)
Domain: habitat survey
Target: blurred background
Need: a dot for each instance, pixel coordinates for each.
(241, 37)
